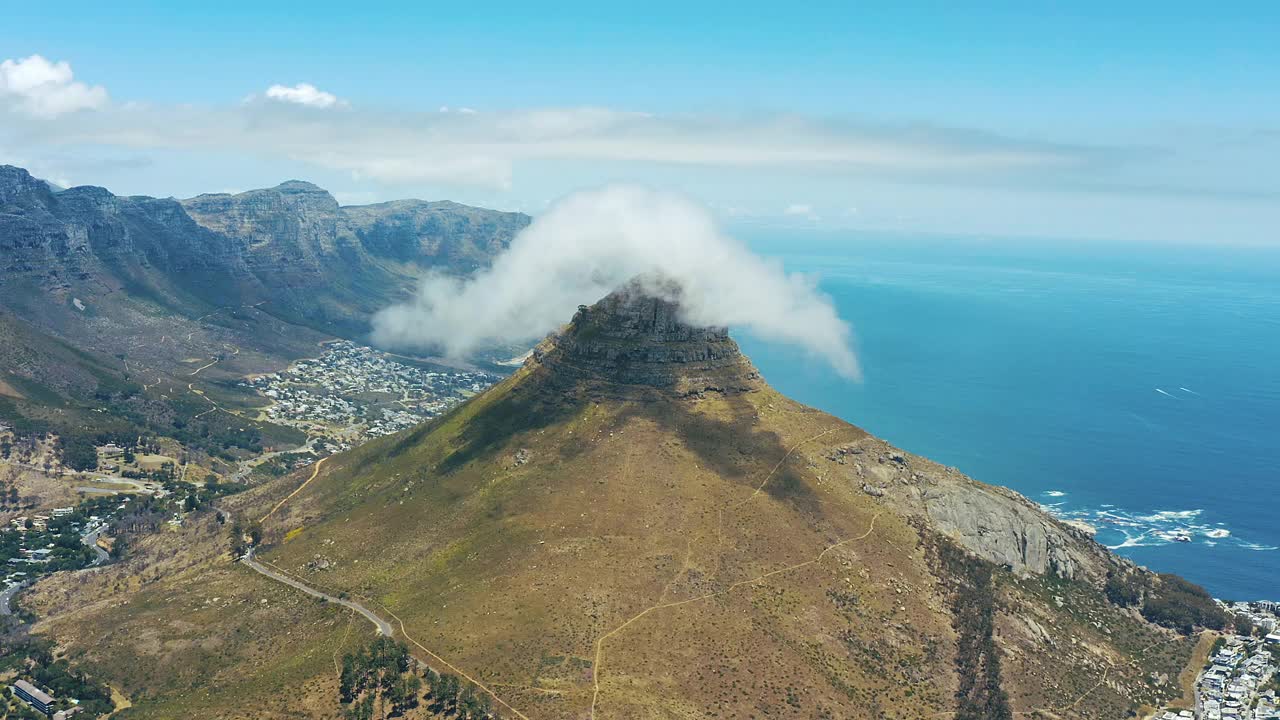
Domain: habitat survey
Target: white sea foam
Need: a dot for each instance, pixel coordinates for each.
(1054, 493)
(1151, 529)
(1131, 541)
(1164, 516)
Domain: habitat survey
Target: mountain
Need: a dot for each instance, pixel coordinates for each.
(636, 525)
(291, 247)
(332, 265)
(101, 295)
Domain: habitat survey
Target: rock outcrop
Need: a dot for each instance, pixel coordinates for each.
(1005, 528)
(994, 523)
(636, 336)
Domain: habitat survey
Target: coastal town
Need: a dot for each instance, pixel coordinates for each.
(1241, 679)
(353, 393)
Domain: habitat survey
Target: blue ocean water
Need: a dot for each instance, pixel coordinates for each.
(1135, 387)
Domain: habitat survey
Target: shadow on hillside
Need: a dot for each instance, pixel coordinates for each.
(733, 446)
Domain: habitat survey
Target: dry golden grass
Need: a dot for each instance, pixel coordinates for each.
(602, 553)
(660, 557)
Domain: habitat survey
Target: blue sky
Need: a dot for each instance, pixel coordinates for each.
(1146, 121)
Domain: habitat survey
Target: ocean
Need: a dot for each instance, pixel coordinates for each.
(1135, 387)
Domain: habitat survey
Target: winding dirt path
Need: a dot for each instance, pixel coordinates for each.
(315, 472)
(595, 670)
(660, 605)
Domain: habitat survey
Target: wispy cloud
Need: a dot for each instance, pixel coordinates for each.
(1193, 183)
(486, 148)
(45, 89)
(304, 94)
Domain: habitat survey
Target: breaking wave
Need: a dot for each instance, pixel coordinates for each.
(1118, 529)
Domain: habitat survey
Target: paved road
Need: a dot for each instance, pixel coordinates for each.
(383, 626)
(90, 540)
(8, 595)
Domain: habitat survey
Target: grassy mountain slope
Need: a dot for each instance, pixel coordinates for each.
(581, 542)
(635, 525)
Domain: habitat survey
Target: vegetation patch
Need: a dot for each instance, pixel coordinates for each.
(973, 607)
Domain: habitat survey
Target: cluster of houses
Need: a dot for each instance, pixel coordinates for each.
(1264, 614)
(356, 393)
(24, 523)
(30, 539)
(1235, 686)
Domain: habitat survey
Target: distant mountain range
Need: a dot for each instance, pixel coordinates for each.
(291, 247)
(103, 295)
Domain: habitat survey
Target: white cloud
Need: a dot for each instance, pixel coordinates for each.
(592, 242)
(304, 94)
(46, 89)
(485, 149)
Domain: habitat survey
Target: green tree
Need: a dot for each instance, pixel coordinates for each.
(403, 694)
(1243, 625)
(446, 691)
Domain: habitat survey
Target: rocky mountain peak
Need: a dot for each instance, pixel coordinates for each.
(19, 187)
(637, 335)
(299, 186)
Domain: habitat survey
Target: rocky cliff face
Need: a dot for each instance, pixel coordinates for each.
(291, 228)
(449, 234)
(88, 238)
(298, 227)
(291, 247)
(636, 337)
(994, 523)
